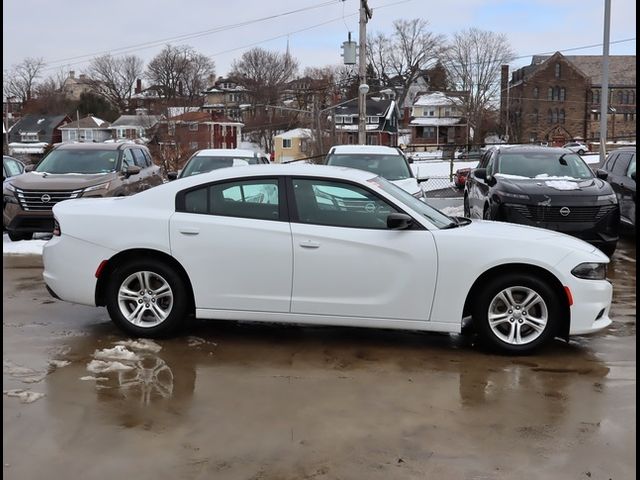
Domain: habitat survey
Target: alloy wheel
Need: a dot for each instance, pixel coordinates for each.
(145, 299)
(518, 315)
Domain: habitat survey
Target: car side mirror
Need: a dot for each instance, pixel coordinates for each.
(29, 168)
(132, 170)
(480, 173)
(601, 174)
(172, 175)
(399, 221)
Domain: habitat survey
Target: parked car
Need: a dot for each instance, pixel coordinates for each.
(333, 246)
(74, 170)
(11, 167)
(461, 177)
(544, 187)
(211, 159)
(620, 171)
(387, 162)
(577, 147)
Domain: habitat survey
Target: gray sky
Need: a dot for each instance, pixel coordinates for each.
(60, 31)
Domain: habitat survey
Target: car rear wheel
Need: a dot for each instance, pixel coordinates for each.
(517, 313)
(486, 214)
(147, 298)
(17, 236)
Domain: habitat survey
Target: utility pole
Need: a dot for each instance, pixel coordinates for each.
(604, 98)
(365, 15)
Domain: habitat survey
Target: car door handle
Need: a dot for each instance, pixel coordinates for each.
(309, 244)
(189, 231)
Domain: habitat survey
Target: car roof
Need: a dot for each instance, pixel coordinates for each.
(527, 149)
(371, 149)
(227, 152)
(624, 149)
(96, 146)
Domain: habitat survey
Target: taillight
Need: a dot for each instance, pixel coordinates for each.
(56, 228)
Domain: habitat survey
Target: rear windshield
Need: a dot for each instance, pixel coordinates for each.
(544, 165)
(202, 164)
(391, 167)
(79, 161)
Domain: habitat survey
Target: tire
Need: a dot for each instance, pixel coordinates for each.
(486, 214)
(467, 209)
(17, 236)
(536, 326)
(154, 315)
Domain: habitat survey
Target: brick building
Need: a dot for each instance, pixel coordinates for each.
(557, 98)
(198, 130)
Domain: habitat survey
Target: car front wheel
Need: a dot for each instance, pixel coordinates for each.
(147, 298)
(517, 313)
(17, 236)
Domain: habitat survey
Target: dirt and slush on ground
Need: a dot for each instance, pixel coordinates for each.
(250, 401)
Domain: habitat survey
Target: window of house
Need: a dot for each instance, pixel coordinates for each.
(31, 137)
(561, 116)
(431, 112)
(338, 204)
(73, 135)
(596, 96)
(171, 129)
(257, 199)
(286, 143)
(549, 116)
(535, 92)
(193, 145)
(349, 119)
(558, 71)
(535, 116)
(550, 93)
(563, 94)
(193, 127)
(88, 135)
(428, 132)
(339, 119)
(372, 119)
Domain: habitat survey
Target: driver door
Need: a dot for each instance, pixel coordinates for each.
(346, 261)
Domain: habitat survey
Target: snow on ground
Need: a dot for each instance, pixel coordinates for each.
(119, 352)
(591, 158)
(25, 396)
(24, 247)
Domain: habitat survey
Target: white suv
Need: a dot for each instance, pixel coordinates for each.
(577, 147)
(387, 162)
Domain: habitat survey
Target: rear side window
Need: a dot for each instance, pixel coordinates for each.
(632, 167)
(127, 159)
(257, 199)
(139, 158)
(610, 162)
(147, 156)
(622, 164)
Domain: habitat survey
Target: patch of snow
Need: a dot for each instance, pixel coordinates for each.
(119, 352)
(25, 396)
(59, 363)
(22, 247)
(92, 378)
(514, 177)
(99, 366)
(453, 211)
(197, 341)
(546, 176)
(562, 185)
(142, 344)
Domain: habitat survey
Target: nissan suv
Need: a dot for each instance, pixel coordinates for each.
(74, 170)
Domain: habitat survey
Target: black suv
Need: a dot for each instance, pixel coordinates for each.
(544, 187)
(620, 171)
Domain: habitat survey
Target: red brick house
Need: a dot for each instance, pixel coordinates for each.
(198, 130)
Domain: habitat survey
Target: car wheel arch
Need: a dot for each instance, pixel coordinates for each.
(521, 268)
(138, 253)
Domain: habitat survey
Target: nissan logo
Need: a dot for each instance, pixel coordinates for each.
(564, 211)
(45, 198)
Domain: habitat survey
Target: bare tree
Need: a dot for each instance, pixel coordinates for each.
(20, 81)
(115, 77)
(398, 59)
(473, 61)
(180, 71)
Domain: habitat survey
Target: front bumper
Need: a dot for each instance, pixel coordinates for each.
(601, 229)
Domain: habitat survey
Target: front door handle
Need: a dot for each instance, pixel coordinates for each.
(309, 244)
(189, 231)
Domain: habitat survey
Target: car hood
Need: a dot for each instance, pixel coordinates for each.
(66, 181)
(409, 185)
(554, 186)
(515, 232)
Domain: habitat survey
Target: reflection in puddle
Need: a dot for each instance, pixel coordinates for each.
(138, 373)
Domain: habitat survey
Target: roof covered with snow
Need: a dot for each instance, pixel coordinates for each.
(86, 122)
(135, 121)
(434, 121)
(296, 133)
(436, 99)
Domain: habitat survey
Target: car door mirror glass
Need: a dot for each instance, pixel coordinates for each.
(132, 170)
(172, 175)
(399, 221)
(602, 175)
(480, 173)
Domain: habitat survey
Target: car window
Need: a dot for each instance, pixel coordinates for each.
(147, 156)
(12, 167)
(246, 199)
(622, 164)
(632, 166)
(87, 161)
(391, 167)
(138, 158)
(540, 164)
(484, 160)
(339, 204)
(610, 162)
(127, 159)
(491, 165)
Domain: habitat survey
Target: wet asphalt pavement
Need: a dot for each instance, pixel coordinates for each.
(250, 401)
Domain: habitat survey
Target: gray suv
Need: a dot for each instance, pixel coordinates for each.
(74, 170)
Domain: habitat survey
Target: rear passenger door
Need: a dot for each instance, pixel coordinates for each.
(234, 240)
(624, 186)
(130, 184)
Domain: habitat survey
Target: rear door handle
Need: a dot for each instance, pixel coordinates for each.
(309, 244)
(189, 231)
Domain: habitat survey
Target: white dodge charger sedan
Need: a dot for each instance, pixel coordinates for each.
(320, 245)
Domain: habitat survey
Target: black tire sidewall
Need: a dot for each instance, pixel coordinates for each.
(17, 236)
(180, 308)
(492, 288)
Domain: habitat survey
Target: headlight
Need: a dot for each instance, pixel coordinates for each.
(520, 196)
(611, 198)
(95, 188)
(591, 271)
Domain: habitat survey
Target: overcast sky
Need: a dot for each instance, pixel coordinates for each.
(61, 31)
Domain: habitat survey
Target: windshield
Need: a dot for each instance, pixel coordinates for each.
(436, 217)
(204, 163)
(544, 165)
(391, 167)
(79, 161)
